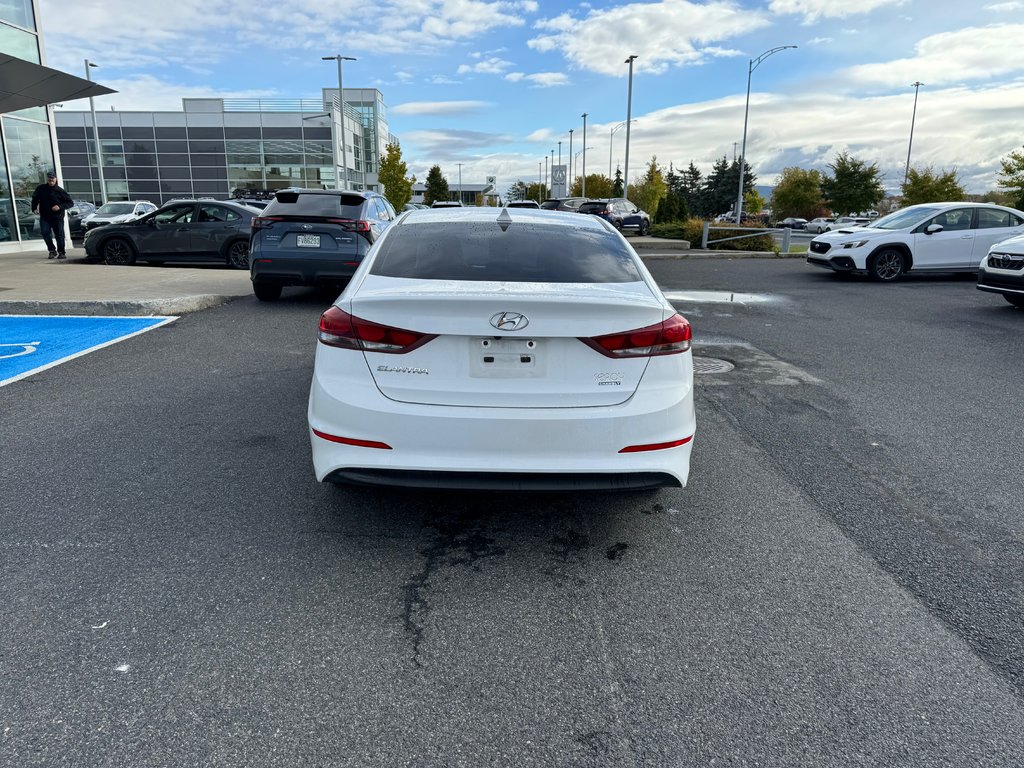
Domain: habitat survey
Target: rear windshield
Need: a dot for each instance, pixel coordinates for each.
(312, 204)
(521, 253)
(593, 207)
(550, 205)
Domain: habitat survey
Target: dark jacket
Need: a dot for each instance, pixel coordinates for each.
(45, 197)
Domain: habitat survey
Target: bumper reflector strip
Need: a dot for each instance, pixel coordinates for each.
(656, 446)
(351, 441)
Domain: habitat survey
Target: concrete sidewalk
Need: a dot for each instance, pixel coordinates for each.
(32, 284)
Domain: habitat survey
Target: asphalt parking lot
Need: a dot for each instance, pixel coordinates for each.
(840, 584)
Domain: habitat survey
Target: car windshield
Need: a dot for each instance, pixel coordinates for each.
(904, 219)
(518, 253)
(116, 209)
(593, 207)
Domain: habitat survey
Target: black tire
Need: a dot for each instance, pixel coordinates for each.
(237, 254)
(617, 224)
(887, 265)
(118, 252)
(1016, 299)
(267, 291)
(645, 226)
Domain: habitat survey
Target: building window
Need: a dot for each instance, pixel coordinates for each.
(19, 43)
(17, 12)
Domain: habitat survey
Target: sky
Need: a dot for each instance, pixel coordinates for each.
(496, 84)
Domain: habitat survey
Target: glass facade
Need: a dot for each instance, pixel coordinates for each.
(26, 145)
(213, 148)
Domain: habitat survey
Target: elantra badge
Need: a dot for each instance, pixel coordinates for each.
(509, 321)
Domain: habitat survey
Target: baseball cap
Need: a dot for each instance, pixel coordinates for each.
(51, 175)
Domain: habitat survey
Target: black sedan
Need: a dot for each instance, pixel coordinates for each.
(792, 222)
(185, 230)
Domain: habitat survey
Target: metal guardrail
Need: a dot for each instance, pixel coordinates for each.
(787, 235)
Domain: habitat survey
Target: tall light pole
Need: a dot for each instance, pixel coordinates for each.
(545, 172)
(540, 179)
(559, 153)
(96, 135)
(572, 178)
(584, 189)
(341, 115)
(753, 64)
(906, 171)
(460, 181)
(629, 114)
(611, 138)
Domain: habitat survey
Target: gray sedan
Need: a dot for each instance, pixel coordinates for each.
(185, 230)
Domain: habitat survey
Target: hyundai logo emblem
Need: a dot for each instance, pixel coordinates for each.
(509, 321)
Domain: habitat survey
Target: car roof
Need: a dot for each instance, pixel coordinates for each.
(475, 215)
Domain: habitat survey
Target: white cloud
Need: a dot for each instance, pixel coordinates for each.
(540, 79)
(975, 53)
(438, 107)
(663, 34)
(812, 10)
(489, 66)
(148, 93)
(820, 40)
(1013, 5)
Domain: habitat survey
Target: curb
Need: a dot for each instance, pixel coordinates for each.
(181, 305)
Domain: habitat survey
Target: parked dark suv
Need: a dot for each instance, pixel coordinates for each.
(563, 204)
(312, 236)
(620, 213)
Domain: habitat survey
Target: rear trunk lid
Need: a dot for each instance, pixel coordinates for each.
(473, 363)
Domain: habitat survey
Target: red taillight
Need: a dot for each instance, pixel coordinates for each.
(340, 329)
(352, 225)
(656, 446)
(666, 338)
(352, 441)
(263, 222)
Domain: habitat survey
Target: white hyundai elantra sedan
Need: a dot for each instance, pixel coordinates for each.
(502, 349)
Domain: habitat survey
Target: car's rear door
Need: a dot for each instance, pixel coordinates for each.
(214, 226)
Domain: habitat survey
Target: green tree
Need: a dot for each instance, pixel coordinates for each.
(1011, 177)
(598, 185)
(798, 193)
(517, 191)
(673, 206)
(718, 195)
(927, 186)
(536, 191)
(753, 201)
(647, 193)
(691, 182)
(397, 187)
(617, 184)
(853, 186)
(437, 186)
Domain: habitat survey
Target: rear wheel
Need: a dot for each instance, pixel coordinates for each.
(266, 291)
(238, 254)
(118, 252)
(645, 227)
(887, 265)
(1016, 299)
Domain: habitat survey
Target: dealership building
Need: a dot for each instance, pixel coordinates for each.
(225, 147)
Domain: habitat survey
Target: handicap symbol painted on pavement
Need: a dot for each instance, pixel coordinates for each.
(30, 344)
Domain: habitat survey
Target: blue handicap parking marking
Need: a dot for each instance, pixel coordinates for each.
(33, 343)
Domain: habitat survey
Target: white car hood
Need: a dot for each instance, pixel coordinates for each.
(852, 234)
(1014, 245)
(109, 219)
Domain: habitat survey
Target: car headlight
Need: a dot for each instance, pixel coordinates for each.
(858, 244)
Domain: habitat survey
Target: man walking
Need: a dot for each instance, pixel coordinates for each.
(52, 201)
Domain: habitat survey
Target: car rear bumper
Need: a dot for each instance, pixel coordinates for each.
(492, 447)
(297, 271)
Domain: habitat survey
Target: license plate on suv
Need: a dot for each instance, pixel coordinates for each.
(307, 241)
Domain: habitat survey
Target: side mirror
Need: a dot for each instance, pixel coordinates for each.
(151, 221)
(931, 229)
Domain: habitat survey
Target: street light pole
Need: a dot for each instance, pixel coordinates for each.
(460, 181)
(629, 113)
(572, 178)
(753, 64)
(540, 180)
(611, 139)
(341, 121)
(96, 135)
(559, 153)
(906, 171)
(584, 188)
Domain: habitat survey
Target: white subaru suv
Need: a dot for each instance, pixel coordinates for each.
(932, 237)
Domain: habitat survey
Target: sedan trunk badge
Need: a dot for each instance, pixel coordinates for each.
(509, 321)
